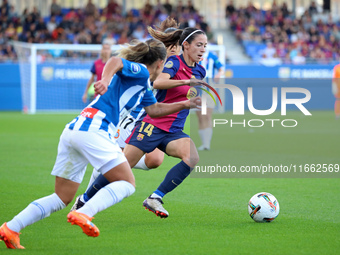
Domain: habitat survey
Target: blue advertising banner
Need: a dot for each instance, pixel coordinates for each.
(60, 86)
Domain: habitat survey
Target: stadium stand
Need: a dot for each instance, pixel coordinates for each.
(277, 36)
(88, 25)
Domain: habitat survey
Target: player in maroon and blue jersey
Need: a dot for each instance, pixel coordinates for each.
(175, 84)
(96, 70)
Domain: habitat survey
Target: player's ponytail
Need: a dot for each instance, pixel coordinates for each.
(168, 25)
(144, 52)
(169, 39)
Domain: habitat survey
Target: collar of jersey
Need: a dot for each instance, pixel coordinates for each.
(182, 58)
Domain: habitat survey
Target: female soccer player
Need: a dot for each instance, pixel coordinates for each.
(211, 63)
(155, 158)
(97, 69)
(166, 133)
(149, 160)
(89, 139)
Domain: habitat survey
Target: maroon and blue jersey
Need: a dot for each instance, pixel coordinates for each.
(178, 70)
(97, 68)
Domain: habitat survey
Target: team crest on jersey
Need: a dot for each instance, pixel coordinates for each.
(140, 137)
(135, 69)
(192, 92)
(117, 134)
(169, 64)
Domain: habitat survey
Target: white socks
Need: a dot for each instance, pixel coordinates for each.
(141, 164)
(206, 135)
(111, 194)
(35, 211)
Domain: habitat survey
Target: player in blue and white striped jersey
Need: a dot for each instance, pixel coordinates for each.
(214, 69)
(89, 139)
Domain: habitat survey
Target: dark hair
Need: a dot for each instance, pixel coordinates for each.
(144, 52)
(186, 32)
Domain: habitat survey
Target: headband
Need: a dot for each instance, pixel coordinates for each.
(191, 35)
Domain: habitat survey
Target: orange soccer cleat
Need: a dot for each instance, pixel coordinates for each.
(11, 238)
(83, 221)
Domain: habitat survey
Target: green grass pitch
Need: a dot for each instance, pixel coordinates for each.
(207, 215)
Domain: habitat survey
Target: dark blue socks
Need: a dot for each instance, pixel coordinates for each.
(99, 183)
(173, 178)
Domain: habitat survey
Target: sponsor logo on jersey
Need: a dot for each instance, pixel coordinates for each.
(89, 112)
(140, 137)
(169, 64)
(117, 134)
(135, 69)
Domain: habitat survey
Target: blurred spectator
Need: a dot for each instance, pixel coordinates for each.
(85, 25)
(5, 8)
(269, 51)
(138, 33)
(312, 8)
(167, 6)
(316, 41)
(55, 8)
(299, 59)
(270, 61)
(112, 7)
(51, 24)
(123, 38)
(191, 7)
(109, 39)
(90, 9)
(230, 9)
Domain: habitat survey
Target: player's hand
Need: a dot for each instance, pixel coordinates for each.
(194, 102)
(195, 82)
(84, 98)
(100, 87)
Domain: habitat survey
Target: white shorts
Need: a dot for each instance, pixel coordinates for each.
(76, 149)
(125, 128)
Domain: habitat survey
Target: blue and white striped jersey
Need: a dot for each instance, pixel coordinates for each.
(139, 111)
(211, 64)
(128, 89)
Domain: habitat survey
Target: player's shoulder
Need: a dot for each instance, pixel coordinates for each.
(200, 69)
(172, 62)
(97, 61)
(134, 68)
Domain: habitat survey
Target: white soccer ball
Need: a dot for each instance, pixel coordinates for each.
(263, 207)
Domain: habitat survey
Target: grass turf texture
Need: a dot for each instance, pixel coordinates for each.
(207, 216)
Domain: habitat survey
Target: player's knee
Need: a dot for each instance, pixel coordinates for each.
(192, 159)
(153, 162)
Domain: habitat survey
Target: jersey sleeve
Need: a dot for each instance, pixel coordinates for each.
(134, 70)
(171, 66)
(217, 63)
(149, 98)
(93, 68)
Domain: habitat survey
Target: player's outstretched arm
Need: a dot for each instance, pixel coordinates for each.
(112, 66)
(163, 109)
(164, 82)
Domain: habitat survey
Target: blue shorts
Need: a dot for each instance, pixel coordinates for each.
(147, 137)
